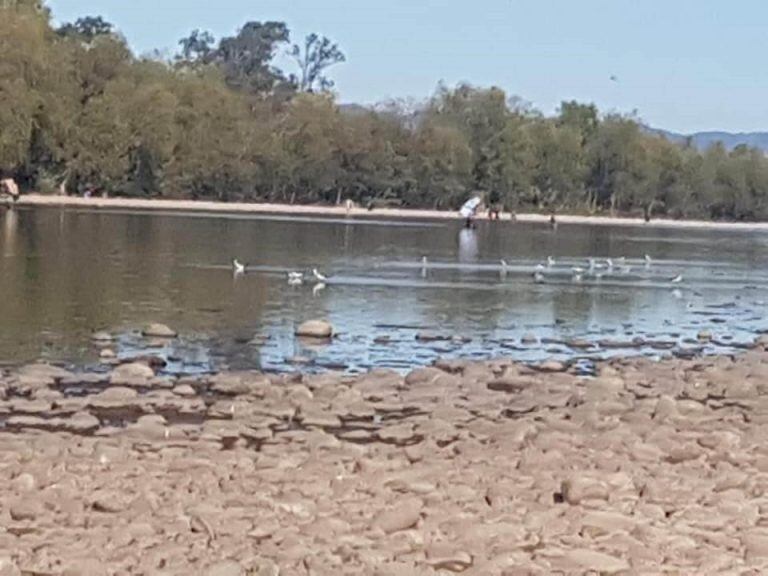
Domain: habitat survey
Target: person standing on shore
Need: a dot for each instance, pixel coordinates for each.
(469, 209)
(8, 186)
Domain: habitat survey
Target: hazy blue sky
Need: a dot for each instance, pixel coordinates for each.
(683, 64)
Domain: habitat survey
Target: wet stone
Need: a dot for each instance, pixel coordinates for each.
(157, 330)
(321, 329)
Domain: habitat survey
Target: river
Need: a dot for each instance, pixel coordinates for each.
(65, 273)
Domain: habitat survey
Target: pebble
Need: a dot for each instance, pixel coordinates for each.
(226, 568)
(102, 337)
(403, 516)
(8, 567)
(599, 562)
(184, 390)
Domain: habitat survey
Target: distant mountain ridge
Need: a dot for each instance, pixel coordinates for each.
(703, 140)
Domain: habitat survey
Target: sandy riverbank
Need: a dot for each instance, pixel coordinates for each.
(485, 468)
(138, 204)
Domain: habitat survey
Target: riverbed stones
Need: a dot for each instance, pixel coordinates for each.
(81, 423)
(319, 329)
(597, 562)
(704, 336)
(101, 337)
(8, 567)
(403, 516)
(579, 489)
(107, 354)
(157, 330)
(529, 339)
(184, 390)
(131, 374)
(225, 568)
(240, 383)
(434, 473)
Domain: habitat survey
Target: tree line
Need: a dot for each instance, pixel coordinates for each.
(220, 120)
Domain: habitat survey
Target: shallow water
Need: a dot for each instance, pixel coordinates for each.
(65, 273)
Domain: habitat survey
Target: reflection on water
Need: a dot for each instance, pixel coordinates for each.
(64, 274)
(468, 249)
(10, 223)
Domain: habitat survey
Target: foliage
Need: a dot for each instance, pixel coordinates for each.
(316, 55)
(223, 121)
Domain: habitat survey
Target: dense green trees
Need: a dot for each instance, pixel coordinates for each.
(222, 121)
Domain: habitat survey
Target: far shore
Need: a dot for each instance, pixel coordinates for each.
(156, 204)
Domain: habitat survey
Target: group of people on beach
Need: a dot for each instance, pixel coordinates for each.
(476, 204)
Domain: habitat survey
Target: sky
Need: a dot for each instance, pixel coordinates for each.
(683, 65)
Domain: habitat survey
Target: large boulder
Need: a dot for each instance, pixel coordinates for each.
(158, 331)
(315, 329)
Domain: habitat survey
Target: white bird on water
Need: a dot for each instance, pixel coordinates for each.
(648, 260)
(609, 263)
(318, 276)
(295, 278)
(503, 271)
(538, 277)
(677, 279)
(550, 261)
(238, 267)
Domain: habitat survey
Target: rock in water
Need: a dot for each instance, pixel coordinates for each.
(704, 336)
(315, 329)
(158, 331)
(102, 336)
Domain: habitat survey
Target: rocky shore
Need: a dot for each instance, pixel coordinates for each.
(486, 468)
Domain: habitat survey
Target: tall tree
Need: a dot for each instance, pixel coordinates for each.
(247, 58)
(86, 28)
(196, 48)
(317, 55)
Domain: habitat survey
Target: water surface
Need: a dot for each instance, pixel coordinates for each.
(65, 273)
